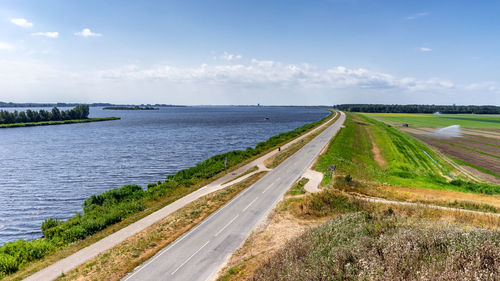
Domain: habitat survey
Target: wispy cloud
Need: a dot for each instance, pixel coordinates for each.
(416, 16)
(54, 34)
(6, 46)
(425, 49)
(21, 22)
(229, 57)
(86, 32)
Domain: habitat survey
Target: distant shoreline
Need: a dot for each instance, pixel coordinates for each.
(62, 122)
(129, 108)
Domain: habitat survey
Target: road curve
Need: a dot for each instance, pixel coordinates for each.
(200, 253)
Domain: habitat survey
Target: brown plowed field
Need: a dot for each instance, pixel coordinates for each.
(474, 145)
(474, 158)
(483, 139)
(483, 133)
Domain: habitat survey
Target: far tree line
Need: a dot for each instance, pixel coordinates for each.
(420, 108)
(79, 112)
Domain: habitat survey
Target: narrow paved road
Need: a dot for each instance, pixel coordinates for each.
(199, 254)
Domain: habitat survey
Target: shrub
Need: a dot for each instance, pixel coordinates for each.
(49, 223)
(8, 264)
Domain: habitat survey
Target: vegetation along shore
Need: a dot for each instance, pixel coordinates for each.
(28, 118)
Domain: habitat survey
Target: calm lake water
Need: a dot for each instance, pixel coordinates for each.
(48, 171)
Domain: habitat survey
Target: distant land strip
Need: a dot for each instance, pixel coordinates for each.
(129, 108)
(46, 123)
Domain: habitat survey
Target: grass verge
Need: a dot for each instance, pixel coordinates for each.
(298, 188)
(251, 170)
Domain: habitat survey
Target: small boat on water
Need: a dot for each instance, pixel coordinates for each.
(267, 118)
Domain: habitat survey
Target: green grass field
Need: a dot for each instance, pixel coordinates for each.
(405, 162)
(443, 120)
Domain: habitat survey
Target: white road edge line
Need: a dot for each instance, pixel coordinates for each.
(222, 229)
(250, 204)
(189, 258)
(269, 186)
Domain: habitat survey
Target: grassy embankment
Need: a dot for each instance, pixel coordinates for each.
(357, 240)
(47, 123)
(398, 161)
(122, 206)
(480, 136)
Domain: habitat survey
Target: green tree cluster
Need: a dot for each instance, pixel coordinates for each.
(28, 116)
(420, 108)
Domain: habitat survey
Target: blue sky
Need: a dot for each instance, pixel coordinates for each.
(248, 52)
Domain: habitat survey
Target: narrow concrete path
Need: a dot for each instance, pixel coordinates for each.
(65, 265)
(315, 179)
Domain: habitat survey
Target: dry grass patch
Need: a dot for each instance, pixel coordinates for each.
(461, 200)
(364, 246)
(116, 262)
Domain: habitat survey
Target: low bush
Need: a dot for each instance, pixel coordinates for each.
(477, 187)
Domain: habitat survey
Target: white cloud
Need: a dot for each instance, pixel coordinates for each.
(54, 34)
(416, 16)
(264, 81)
(6, 46)
(229, 57)
(87, 33)
(21, 22)
(425, 49)
(267, 73)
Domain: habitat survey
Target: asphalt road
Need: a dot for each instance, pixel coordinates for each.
(199, 253)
